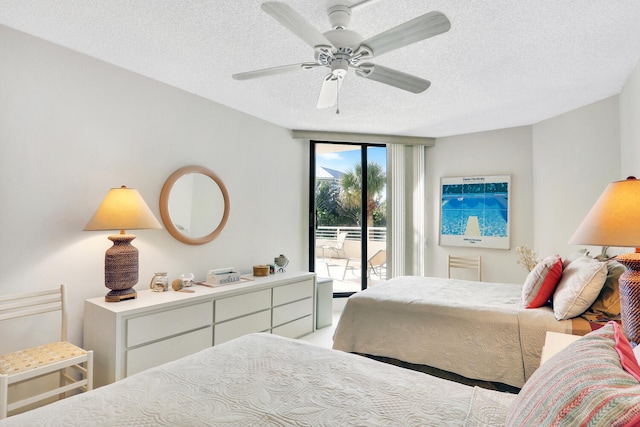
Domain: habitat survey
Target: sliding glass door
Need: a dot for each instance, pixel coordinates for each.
(348, 214)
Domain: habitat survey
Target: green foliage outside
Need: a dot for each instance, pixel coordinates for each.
(339, 205)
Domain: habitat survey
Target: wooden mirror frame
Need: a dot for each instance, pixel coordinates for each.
(164, 205)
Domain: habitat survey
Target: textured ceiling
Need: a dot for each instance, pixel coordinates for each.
(504, 63)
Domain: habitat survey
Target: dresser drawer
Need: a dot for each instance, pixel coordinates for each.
(155, 326)
(240, 305)
(295, 310)
(292, 292)
(160, 352)
(295, 329)
(257, 322)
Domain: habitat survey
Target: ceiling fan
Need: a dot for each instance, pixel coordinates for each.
(340, 49)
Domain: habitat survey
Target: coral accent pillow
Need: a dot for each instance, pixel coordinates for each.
(584, 384)
(581, 283)
(541, 282)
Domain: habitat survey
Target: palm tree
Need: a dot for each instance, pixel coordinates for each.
(327, 207)
(352, 188)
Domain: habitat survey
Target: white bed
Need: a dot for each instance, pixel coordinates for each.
(260, 380)
(478, 330)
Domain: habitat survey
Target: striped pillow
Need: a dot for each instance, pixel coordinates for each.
(541, 282)
(584, 384)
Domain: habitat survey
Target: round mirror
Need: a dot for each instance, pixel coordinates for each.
(194, 205)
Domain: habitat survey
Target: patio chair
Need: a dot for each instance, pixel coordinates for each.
(336, 245)
(469, 263)
(376, 264)
(32, 363)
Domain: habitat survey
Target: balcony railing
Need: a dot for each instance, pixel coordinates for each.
(351, 249)
(376, 234)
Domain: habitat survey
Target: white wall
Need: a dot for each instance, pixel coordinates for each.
(630, 126)
(72, 127)
(575, 156)
(499, 152)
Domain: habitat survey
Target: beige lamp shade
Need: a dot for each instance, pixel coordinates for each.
(123, 209)
(615, 218)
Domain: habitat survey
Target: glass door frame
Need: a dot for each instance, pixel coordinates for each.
(364, 231)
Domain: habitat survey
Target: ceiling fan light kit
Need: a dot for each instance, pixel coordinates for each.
(340, 49)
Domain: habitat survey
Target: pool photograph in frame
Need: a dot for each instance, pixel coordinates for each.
(474, 211)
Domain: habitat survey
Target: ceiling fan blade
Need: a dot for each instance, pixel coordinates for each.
(289, 18)
(393, 78)
(274, 70)
(329, 91)
(420, 28)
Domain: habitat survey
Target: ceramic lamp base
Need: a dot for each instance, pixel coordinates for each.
(630, 295)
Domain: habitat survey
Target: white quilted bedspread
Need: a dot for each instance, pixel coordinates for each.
(265, 380)
(476, 329)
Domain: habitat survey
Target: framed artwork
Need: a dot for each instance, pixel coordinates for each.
(475, 211)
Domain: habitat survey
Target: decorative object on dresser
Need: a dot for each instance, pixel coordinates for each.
(122, 208)
(261, 270)
(24, 365)
(222, 276)
(614, 220)
(194, 205)
(178, 286)
(159, 282)
(187, 279)
(281, 261)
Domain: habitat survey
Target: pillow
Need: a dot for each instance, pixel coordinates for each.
(581, 283)
(585, 383)
(607, 304)
(541, 282)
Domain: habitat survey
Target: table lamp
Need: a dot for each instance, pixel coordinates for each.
(122, 208)
(615, 221)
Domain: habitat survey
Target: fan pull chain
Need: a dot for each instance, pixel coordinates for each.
(338, 102)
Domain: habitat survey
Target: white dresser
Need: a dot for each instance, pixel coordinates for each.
(157, 327)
